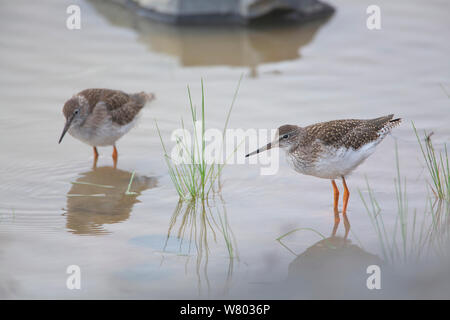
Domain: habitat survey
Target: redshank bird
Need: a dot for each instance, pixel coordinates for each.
(333, 149)
(100, 117)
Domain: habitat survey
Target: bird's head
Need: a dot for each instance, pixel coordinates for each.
(75, 111)
(286, 136)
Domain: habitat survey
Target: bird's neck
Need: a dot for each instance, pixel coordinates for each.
(300, 134)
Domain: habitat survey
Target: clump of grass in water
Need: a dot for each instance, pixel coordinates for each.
(389, 246)
(431, 234)
(196, 179)
(437, 165)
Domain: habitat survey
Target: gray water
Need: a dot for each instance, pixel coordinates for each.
(127, 245)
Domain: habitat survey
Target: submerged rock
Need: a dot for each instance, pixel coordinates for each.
(228, 11)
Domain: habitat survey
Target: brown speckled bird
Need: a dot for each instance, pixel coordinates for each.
(332, 149)
(100, 117)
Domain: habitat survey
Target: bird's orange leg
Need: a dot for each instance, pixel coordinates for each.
(95, 157)
(115, 155)
(336, 211)
(336, 195)
(346, 196)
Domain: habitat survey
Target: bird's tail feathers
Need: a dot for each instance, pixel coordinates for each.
(149, 96)
(394, 122)
(388, 126)
(144, 97)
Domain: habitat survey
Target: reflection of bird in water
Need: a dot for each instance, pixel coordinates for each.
(346, 226)
(99, 197)
(216, 45)
(331, 268)
(332, 149)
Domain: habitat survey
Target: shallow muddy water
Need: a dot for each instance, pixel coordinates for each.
(56, 211)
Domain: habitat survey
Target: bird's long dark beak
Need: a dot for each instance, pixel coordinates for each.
(66, 127)
(266, 147)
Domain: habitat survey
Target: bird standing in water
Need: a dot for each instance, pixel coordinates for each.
(100, 117)
(332, 149)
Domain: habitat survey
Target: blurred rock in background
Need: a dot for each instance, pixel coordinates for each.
(228, 11)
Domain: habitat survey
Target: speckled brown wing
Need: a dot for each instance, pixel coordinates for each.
(122, 107)
(125, 110)
(350, 133)
(113, 98)
(367, 131)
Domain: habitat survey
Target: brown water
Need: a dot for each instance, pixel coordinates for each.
(56, 211)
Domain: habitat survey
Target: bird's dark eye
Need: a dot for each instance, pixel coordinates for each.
(285, 136)
(76, 111)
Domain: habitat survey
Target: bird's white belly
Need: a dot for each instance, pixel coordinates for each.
(102, 135)
(335, 163)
